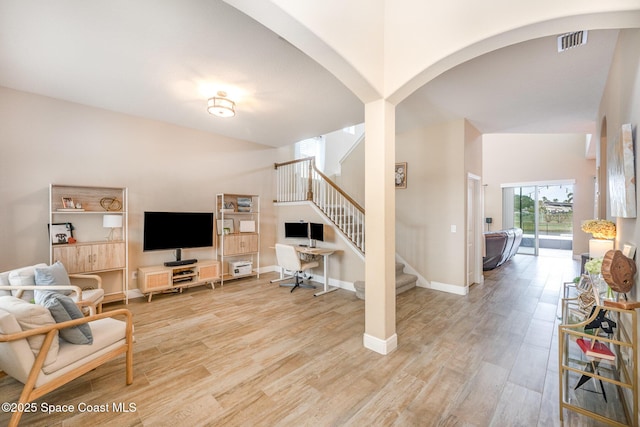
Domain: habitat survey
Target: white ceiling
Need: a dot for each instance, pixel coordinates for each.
(524, 88)
(162, 59)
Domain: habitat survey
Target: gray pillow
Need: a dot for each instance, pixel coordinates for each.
(55, 274)
(63, 309)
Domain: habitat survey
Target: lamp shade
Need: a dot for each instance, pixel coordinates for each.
(112, 221)
(599, 247)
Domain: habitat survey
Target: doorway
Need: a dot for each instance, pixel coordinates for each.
(544, 212)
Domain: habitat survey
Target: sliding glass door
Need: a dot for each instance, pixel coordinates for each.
(544, 212)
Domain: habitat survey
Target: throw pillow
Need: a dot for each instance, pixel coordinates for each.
(63, 309)
(32, 316)
(25, 276)
(55, 274)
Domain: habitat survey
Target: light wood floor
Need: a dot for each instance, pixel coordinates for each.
(253, 354)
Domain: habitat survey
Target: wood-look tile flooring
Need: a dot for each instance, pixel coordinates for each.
(254, 354)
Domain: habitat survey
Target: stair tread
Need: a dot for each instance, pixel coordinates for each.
(401, 280)
(404, 279)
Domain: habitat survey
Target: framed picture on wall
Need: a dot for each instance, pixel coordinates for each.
(621, 174)
(401, 175)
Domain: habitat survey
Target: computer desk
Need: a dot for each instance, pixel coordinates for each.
(325, 253)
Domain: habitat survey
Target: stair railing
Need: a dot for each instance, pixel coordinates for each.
(300, 180)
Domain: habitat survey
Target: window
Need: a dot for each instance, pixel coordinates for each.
(312, 147)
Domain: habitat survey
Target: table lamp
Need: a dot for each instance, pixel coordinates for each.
(112, 222)
(599, 247)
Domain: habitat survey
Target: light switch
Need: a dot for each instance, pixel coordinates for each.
(453, 228)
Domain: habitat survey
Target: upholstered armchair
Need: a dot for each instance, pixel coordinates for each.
(84, 289)
(32, 353)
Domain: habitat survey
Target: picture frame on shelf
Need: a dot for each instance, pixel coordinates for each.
(629, 250)
(225, 226)
(401, 175)
(247, 226)
(60, 233)
(67, 203)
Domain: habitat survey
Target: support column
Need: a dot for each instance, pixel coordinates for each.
(380, 202)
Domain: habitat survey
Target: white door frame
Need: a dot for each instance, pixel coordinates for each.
(475, 242)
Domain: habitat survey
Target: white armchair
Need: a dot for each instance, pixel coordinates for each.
(31, 353)
(85, 289)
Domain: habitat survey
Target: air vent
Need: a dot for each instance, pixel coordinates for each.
(570, 40)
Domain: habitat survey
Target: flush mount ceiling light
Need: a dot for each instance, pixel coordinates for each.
(221, 106)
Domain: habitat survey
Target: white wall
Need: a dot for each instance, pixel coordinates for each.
(621, 104)
(438, 161)
(351, 177)
(165, 167)
(435, 200)
(517, 158)
(337, 145)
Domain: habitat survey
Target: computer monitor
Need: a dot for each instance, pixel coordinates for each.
(296, 230)
(316, 231)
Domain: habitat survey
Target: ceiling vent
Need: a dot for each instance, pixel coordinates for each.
(570, 40)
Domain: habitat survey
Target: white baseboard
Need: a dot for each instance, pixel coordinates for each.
(380, 346)
(335, 283)
(348, 286)
(269, 269)
(452, 289)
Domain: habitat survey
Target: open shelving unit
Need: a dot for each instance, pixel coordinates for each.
(94, 249)
(237, 232)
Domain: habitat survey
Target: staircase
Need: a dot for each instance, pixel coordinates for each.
(300, 180)
(404, 282)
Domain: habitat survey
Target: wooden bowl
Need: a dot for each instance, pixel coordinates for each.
(618, 271)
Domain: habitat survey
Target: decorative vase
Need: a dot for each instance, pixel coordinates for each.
(602, 287)
(596, 282)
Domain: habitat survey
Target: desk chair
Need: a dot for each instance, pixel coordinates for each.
(289, 260)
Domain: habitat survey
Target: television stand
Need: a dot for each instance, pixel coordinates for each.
(159, 279)
(180, 262)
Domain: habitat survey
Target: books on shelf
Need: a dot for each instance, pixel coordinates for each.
(597, 349)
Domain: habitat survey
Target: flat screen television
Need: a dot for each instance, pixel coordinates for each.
(177, 230)
(296, 229)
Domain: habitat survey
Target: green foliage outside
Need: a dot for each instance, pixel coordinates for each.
(553, 220)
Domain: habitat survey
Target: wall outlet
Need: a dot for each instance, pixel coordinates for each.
(134, 275)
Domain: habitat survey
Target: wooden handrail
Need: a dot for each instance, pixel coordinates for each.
(326, 178)
(290, 162)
